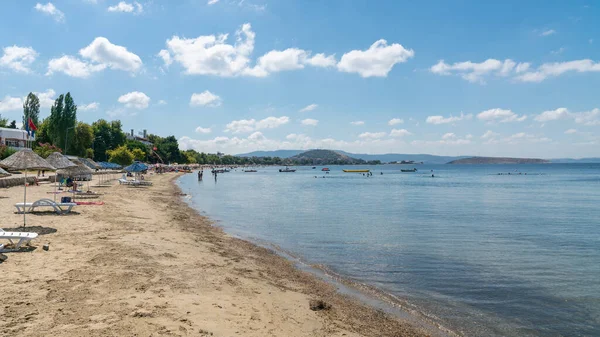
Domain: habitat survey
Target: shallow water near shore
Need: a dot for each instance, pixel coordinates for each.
(483, 253)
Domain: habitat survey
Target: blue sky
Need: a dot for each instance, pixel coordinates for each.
(511, 78)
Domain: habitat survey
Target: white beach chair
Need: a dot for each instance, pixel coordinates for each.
(124, 181)
(23, 237)
(59, 207)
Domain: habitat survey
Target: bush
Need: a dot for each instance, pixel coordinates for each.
(46, 149)
(6, 151)
(120, 155)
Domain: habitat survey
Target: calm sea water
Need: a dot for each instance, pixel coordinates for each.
(485, 254)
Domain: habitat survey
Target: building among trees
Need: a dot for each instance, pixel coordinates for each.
(15, 138)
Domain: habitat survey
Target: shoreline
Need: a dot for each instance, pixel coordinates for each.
(146, 263)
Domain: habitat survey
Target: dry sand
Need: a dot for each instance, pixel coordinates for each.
(145, 264)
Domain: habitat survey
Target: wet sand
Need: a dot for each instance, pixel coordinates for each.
(145, 264)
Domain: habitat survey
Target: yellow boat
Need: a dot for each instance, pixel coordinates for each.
(357, 171)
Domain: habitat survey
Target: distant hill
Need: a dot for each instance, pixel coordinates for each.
(322, 157)
(276, 153)
(384, 158)
(498, 160)
(574, 161)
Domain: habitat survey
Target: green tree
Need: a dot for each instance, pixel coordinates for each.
(62, 119)
(107, 136)
(41, 135)
(3, 122)
(13, 124)
(31, 109)
(138, 154)
(120, 155)
(83, 136)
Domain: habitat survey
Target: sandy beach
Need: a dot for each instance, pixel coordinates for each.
(145, 264)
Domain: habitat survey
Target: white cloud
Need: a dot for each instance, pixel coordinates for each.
(558, 51)
(558, 68)
(372, 135)
(18, 58)
(205, 98)
(279, 60)
(112, 56)
(50, 9)
(212, 2)
(46, 98)
(99, 55)
(476, 72)
(203, 130)
(310, 122)
(523, 137)
(449, 135)
(500, 115)
(551, 115)
(446, 120)
(249, 125)
(73, 67)
(11, 104)
(571, 132)
(395, 121)
(399, 133)
(322, 60)
(548, 32)
(125, 7)
(357, 123)
(376, 61)
(589, 118)
(489, 134)
(164, 54)
(211, 55)
(137, 100)
(309, 107)
(88, 107)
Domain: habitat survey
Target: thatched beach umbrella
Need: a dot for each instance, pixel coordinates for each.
(61, 162)
(25, 160)
(80, 169)
(3, 173)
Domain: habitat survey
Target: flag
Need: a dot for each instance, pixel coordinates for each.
(32, 127)
(27, 129)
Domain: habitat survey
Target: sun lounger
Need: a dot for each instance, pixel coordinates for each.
(124, 182)
(59, 208)
(23, 237)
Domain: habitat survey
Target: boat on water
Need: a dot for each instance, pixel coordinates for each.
(287, 169)
(357, 171)
(408, 170)
(314, 167)
(250, 171)
(325, 169)
(220, 171)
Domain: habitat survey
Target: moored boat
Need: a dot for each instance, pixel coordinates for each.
(409, 170)
(325, 169)
(250, 171)
(287, 170)
(357, 171)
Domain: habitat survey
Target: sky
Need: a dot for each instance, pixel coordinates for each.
(486, 78)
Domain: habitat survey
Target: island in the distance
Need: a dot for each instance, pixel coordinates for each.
(499, 160)
(325, 157)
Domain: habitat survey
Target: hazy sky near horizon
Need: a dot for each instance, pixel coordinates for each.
(509, 78)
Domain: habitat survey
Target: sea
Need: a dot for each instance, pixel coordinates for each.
(480, 250)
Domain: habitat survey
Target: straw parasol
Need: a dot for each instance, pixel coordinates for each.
(3, 173)
(25, 160)
(61, 162)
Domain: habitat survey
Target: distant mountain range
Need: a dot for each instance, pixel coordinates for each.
(393, 157)
(499, 160)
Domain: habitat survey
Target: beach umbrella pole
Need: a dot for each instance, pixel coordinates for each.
(25, 201)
